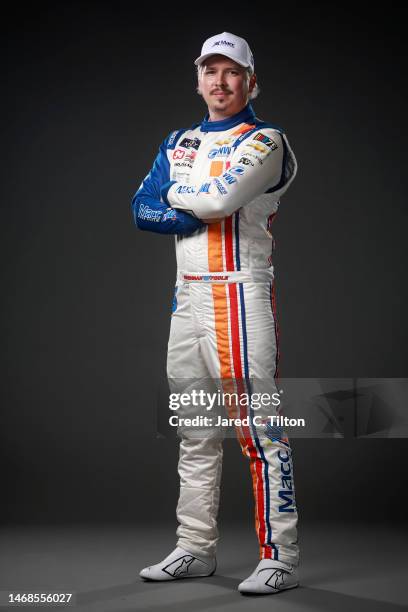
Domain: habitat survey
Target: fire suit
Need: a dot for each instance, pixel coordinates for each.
(223, 324)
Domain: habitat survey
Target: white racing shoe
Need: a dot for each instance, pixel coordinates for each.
(270, 577)
(180, 564)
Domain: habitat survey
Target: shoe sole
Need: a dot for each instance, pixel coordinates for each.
(271, 592)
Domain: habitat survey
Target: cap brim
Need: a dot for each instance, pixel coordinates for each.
(200, 59)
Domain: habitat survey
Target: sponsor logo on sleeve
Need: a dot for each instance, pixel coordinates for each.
(228, 178)
(204, 188)
(149, 214)
(169, 215)
(266, 141)
(237, 170)
(185, 189)
(247, 162)
(220, 186)
(257, 147)
(259, 158)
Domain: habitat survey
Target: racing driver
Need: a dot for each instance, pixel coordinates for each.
(216, 186)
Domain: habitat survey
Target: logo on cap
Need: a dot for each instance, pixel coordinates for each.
(223, 42)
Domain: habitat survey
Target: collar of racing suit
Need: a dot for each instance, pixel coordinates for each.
(247, 115)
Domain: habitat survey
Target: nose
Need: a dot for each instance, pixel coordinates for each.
(220, 78)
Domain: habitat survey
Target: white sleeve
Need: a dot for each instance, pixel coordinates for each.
(256, 166)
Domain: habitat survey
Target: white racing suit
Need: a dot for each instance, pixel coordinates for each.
(223, 324)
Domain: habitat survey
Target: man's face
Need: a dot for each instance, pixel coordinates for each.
(224, 86)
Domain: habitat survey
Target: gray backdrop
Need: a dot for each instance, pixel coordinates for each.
(91, 90)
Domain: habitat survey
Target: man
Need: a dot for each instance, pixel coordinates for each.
(216, 186)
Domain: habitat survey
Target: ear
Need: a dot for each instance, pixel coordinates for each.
(252, 83)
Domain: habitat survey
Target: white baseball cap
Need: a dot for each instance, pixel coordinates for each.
(231, 46)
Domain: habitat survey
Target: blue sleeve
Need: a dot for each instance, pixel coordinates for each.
(149, 212)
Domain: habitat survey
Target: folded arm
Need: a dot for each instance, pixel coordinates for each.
(256, 167)
(149, 211)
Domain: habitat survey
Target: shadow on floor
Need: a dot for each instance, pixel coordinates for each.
(305, 596)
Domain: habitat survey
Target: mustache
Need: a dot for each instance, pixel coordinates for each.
(221, 90)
